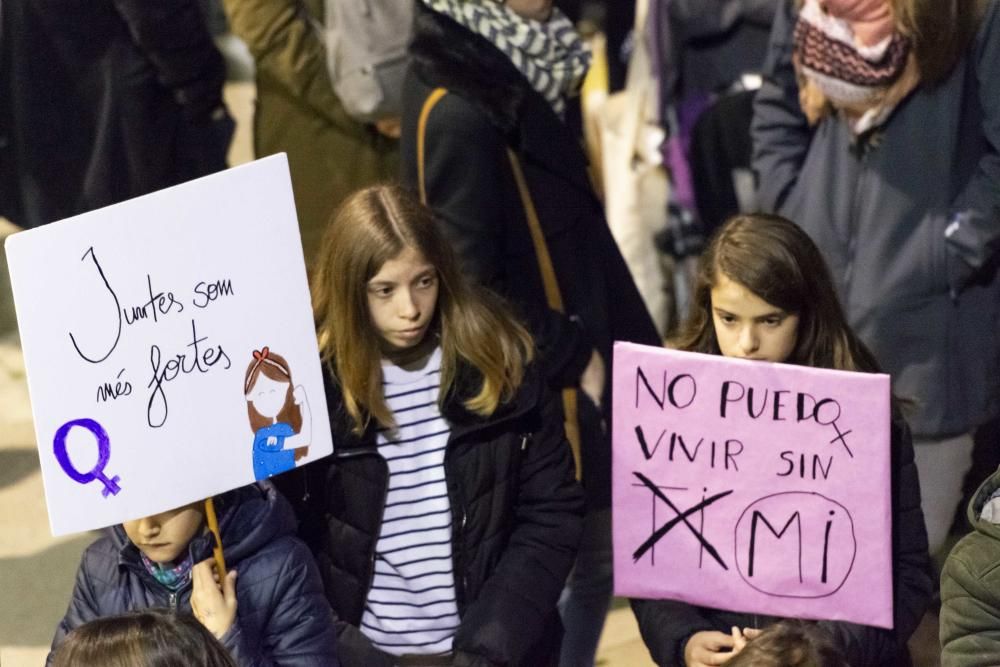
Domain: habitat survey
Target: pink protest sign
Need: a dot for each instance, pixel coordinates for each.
(752, 486)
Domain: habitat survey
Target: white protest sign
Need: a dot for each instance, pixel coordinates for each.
(141, 324)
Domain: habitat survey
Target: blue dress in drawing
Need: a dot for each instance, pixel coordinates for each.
(272, 459)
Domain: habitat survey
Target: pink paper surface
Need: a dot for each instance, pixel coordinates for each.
(773, 485)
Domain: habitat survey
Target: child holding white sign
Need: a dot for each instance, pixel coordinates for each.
(274, 613)
(448, 517)
(764, 292)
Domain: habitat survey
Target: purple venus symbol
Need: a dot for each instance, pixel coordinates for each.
(103, 454)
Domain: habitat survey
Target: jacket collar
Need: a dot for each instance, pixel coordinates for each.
(979, 499)
(462, 421)
(449, 55)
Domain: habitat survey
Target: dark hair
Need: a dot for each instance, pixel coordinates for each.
(790, 643)
(940, 30)
(146, 638)
(773, 258)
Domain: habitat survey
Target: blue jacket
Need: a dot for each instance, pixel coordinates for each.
(908, 221)
(283, 617)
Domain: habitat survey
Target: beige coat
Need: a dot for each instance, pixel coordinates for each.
(330, 154)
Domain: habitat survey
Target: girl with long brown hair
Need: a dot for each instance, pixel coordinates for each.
(763, 292)
(447, 519)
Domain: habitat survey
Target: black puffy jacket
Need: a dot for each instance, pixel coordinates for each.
(666, 625)
(470, 184)
(282, 617)
(516, 510)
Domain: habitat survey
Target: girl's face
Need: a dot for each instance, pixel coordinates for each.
(748, 327)
(539, 10)
(402, 297)
(268, 396)
(164, 537)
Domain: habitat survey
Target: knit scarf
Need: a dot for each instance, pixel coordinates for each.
(849, 56)
(172, 576)
(550, 55)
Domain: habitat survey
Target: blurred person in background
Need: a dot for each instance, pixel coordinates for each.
(877, 129)
(103, 101)
(330, 153)
(485, 144)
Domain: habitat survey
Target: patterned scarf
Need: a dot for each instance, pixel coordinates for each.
(550, 55)
(849, 55)
(172, 576)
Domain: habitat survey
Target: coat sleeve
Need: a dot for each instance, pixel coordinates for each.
(289, 54)
(174, 37)
(912, 585)
(779, 130)
(509, 615)
(83, 603)
(469, 185)
(666, 625)
(970, 607)
(296, 620)
(972, 226)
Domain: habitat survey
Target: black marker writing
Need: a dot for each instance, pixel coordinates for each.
(181, 363)
(96, 359)
(206, 293)
(113, 391)
(158, 303)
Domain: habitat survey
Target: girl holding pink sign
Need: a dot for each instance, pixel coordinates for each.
(763, 292)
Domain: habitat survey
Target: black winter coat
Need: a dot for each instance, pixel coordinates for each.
(282, 617)
(516, 523)
(470, 184)
(666, 625)
(102, 101)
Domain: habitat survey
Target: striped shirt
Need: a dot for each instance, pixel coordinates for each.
(411, 605)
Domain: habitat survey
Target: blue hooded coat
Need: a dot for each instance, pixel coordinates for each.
(283, 617)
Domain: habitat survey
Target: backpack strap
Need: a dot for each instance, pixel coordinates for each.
(425, 112)
(553, 295)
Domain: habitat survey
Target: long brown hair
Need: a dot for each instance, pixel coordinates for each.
(146, 638)
(371, 227)
(773, 258)
(940, 31)
(273, 366)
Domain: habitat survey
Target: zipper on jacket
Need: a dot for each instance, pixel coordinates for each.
(381, 517)
(457, 542)
(461, 535)
(863, 151)
(173, 602)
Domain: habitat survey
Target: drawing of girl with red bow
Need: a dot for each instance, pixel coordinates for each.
(279, 415)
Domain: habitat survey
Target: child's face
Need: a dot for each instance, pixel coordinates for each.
(402, 297)
(748, 327)
(268, 396)
(164, 537)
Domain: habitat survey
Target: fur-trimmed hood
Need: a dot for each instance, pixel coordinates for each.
(446, 54)
(469, 65)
